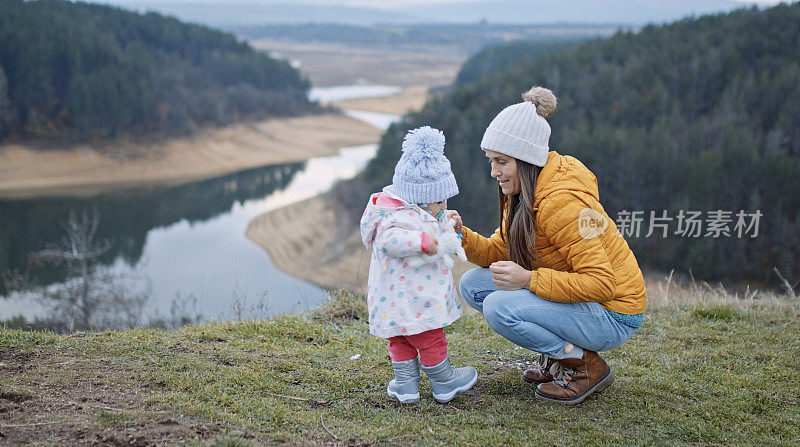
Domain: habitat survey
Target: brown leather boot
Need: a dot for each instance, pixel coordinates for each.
(540, 373)
(576, 379)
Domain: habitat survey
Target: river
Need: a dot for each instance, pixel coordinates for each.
(185, 246)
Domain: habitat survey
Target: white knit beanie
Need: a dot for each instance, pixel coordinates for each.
(423, 173)
(520, 130)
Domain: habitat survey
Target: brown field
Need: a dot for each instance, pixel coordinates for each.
(328, 64)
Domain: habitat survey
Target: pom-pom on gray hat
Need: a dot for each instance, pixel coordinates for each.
(423, 174)
(520, 130)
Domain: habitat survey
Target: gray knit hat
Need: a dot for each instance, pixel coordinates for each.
(520, 130)
(423, 173)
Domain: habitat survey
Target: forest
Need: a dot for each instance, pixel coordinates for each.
(509, 55)
(694, 122)
(79, 71)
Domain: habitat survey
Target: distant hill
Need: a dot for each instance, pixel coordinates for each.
(700, 115)
(466, 37)
(234, 13)
(78, 71)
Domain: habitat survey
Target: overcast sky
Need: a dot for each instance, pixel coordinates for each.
(361, 3)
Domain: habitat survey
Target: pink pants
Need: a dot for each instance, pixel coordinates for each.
(432, 347)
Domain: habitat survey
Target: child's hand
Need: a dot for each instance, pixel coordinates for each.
(453, 214)
(433, 249)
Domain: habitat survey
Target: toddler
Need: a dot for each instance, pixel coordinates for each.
(410, 304)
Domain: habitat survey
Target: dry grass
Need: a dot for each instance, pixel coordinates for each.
(707, 367)
(665, 292)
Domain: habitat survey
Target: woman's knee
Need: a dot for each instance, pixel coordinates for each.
(497, 312)
(471, 284)
(468, 282)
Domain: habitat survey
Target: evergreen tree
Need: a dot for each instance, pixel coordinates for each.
(698, 115)
(80, 70)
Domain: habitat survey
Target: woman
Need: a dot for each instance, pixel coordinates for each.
(557, 276)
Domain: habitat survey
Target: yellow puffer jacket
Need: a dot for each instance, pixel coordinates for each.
(578, 262)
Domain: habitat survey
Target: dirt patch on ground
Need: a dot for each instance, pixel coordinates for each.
(51, 397)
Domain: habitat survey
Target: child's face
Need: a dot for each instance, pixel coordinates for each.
(436, 207)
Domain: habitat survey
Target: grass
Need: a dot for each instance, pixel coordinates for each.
(706, 368)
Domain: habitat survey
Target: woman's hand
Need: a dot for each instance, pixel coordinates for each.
(453, 214)
(508, 275)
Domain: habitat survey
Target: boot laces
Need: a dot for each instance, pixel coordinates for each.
(543, 360)
(561, 376)
(543, 363)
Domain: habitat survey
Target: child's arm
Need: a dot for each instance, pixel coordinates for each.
(396, 240)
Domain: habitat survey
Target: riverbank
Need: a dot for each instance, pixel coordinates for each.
(27, 172)
(409, 99)
(310, 241)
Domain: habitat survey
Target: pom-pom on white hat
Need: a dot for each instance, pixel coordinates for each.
(521, 130)
(423, 174)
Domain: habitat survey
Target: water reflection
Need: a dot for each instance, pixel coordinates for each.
(125, 217)
(187, 243)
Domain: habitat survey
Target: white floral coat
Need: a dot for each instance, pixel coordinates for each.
(405, 300)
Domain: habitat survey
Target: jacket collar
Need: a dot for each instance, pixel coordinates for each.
(563, 173)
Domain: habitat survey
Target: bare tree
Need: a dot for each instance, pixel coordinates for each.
(92, 297)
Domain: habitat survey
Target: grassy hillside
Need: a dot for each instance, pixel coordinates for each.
(81, 70)
(696, 116)
(706, 368)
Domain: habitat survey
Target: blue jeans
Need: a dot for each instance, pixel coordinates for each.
(540, 325)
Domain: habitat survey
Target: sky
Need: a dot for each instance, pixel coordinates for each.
(363, 3)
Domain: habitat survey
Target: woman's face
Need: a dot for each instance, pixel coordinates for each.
(504, 169)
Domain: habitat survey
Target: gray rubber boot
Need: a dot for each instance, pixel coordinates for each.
(446, 382)
(405, 385)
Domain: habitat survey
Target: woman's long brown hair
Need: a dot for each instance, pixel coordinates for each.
(519, 230)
